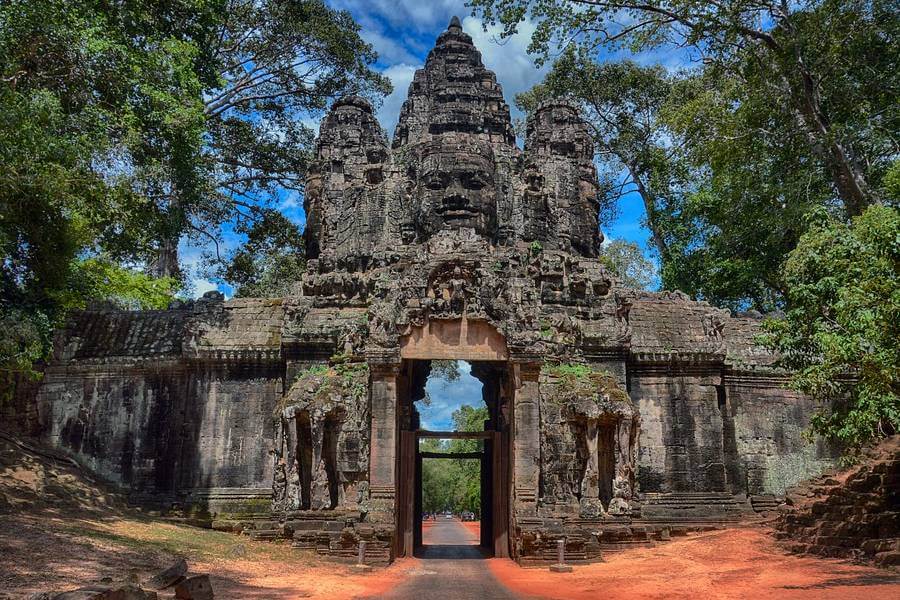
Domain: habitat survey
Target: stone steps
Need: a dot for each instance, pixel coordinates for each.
(852, 514)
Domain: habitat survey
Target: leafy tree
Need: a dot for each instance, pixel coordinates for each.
(446, 370)
(841, 335)
(743, 168)
(454, 484)
(628, 263)
(128, 125)
(273, 63)
(832, 62)
(756, 180)
(85, 85)
(270, 261)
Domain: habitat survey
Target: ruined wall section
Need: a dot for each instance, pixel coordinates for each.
(322, 459)
(589, 443)
(176, 406)
(766, 421)
(717, 415)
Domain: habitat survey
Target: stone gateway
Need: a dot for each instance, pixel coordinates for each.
(617, 416)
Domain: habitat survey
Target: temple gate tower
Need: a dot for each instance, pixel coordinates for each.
(614, 414)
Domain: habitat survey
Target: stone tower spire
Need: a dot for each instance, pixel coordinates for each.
(455, 94)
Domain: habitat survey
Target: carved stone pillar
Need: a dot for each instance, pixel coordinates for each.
(527, 441)
(320, 495)
(383, 445)
(626, 452)
(590, 483)
(292, 483)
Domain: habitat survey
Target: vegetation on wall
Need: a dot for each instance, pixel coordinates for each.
(324, 382)
(578, 380)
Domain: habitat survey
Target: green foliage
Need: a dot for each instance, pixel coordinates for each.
(447, 370)
(349, 380)
(627, 261)
(130, 125)
(270, 261)
(794, 107)
(125, 288)
(454, 484)
(536, 247)
(87, 91)
(892, 182)
(841, 334)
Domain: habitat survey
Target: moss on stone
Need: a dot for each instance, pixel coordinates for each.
(319, 383)
(579, 380)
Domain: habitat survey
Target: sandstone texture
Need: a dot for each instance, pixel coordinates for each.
(617, 416)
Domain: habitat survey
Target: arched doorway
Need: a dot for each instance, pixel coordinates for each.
(484, 348)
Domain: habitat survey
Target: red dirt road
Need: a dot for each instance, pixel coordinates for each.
(732, 564)
(54, 551)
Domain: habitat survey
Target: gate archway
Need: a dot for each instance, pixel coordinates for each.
(485, 349)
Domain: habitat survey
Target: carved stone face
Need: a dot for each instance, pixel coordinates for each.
(457, 190)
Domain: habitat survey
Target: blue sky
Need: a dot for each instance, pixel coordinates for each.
(446, 397)
(402, 32)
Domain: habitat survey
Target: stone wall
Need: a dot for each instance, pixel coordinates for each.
(681, 433)
(768, 451)
(165, 432)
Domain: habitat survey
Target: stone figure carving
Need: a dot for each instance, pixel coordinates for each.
(456, 189)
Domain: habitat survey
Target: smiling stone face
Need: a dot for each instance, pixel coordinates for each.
(456, 189)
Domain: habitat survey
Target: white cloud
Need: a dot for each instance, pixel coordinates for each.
(201, 286)
(417, 14)
(190, 256)
(291, 201)
(389, 50)
(447, 397)
(401, 76)
(508, 58)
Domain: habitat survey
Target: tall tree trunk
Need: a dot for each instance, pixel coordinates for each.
(846, 174)
(649, 200)
(165, 263)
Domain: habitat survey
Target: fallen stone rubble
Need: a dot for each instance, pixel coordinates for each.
(854, 513)
(176, 577)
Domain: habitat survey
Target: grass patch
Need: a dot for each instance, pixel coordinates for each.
(180, 540)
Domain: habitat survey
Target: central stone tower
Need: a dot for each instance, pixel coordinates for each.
(453, 172)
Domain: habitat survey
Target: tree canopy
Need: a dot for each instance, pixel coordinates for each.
(451, 483)
(841, 334)
(131, 126)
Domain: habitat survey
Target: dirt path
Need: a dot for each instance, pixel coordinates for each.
(731, 564)
(452, 565)
(55, 550)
